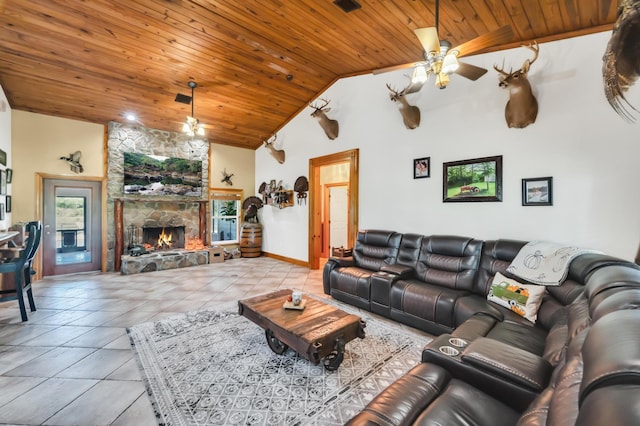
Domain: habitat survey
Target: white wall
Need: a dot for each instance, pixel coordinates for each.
(578, 139)
(5, 145)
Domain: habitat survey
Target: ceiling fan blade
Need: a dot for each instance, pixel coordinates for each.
(494, 38)
(428, 38)
(469, 71)
(397, 67)
(414, 87)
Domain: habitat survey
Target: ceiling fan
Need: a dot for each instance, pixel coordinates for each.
(441, 60)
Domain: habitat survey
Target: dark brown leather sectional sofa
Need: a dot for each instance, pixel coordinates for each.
(579, 363)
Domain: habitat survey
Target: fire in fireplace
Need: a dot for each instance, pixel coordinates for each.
(163, 238)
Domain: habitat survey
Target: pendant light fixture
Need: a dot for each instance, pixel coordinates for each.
(192, 125)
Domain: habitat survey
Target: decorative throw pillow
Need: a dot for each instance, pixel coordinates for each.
(522, 299)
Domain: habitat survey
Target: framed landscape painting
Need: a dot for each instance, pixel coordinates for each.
(478, 179)
(537, 191)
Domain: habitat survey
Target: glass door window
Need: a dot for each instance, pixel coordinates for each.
(71, 225)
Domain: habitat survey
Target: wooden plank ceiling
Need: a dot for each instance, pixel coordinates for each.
(95, 60)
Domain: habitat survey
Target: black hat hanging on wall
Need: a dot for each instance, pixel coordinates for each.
(301, 187)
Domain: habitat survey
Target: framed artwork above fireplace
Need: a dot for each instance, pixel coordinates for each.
(146, 174)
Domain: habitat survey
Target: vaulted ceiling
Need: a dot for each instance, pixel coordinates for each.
(257, 62)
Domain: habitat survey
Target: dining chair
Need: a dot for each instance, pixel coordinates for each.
(21, 267)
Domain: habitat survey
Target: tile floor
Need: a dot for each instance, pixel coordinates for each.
(71, 363)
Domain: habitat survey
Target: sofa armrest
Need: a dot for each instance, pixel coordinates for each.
(401, 271)
(343, 261)
(506, 388)
(381, 283)
(334, 263)
(510, 363)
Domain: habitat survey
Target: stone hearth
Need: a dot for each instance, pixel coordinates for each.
(163, 260)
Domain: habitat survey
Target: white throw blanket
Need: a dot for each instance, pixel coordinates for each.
(544, 263)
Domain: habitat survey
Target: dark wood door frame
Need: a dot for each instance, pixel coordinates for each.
(315, 200)
(40, 177)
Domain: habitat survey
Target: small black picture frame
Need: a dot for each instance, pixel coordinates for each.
(8, 202)
(422, 168)
(3, 157)
(3, 181)
(9, 175)
(537, 191)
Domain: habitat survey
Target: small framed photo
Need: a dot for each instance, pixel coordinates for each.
(1, 211)
(8, 201)
(3, 181)
(537, 191)
(9, 175)
(422, 168)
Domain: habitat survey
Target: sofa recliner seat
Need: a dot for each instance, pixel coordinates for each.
(349, 278)
(442, 272)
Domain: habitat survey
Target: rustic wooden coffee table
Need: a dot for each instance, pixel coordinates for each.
(319, 331)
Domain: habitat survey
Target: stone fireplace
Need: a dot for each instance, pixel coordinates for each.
(145, 221)
(137, 219)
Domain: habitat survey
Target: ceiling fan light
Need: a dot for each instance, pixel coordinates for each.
(442, 80)
(450, 64)
(192, 125)
(419, 75)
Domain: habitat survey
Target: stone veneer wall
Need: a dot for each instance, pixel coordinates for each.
(151, 210)
(162, 213)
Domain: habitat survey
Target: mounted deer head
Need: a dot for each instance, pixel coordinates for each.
(278, 154)
(329, 126)
(410, 114)
(522, 108)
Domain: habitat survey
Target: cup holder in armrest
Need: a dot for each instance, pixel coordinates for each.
(458, 342)
(448, 350)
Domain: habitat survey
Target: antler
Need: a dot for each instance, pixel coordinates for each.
(536, 49)
(326, 102)
(527, 63)
(395, 92)
(269, 141)
(501, 70)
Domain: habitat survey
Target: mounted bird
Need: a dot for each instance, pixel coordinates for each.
(251, 206)
(226, 178)
(621, 60)
(74, 162)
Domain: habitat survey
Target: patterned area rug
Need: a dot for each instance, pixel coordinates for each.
(215, 368)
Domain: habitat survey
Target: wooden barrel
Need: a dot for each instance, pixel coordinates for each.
(251, 240)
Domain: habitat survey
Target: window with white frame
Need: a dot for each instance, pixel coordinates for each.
(226, 214)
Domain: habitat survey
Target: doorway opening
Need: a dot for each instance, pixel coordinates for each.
(336, 176)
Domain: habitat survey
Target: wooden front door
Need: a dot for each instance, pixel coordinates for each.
(72, 228)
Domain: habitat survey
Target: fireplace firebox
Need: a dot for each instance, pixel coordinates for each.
(163, 237)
